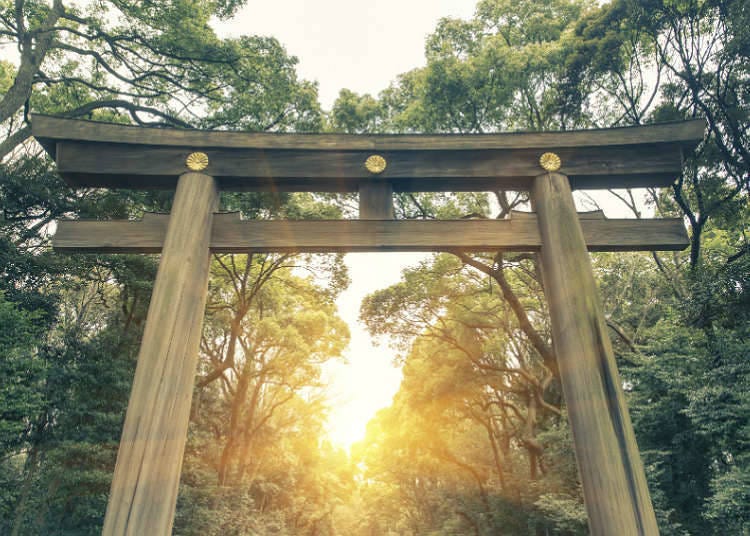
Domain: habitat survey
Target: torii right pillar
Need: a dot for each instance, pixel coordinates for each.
(614, 483)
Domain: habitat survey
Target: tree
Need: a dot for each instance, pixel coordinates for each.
(683, 350)
(623, 63)
(476, 397)
(502, 70)
(152, 64)
(476, 441)
(691, 50)
(157, 63)
(267, 333)
(258, 416)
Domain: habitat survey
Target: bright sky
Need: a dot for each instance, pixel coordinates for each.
(350, 44)
(361, 46)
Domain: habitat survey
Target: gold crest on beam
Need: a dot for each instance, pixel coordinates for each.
(375, 164)
(550, 161)
(197, 161)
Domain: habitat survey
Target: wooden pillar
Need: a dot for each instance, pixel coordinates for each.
(375, 201)
(147, 474)
(614, 483)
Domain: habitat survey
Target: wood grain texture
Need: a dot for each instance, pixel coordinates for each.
(230, 234)
(614, 483)
(144, 488)
(91, 154)
(376, 201)
(89, 164)
(48, 130)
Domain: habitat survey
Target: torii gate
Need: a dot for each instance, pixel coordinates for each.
(199, 164)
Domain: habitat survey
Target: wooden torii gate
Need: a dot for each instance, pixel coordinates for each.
(198, 164)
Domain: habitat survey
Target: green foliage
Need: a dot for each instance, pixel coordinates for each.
(469, 430)
(22, 372)
(355, 114)
(566, 513)
(476, 441)
(152, 63)
(501, 70)
(728, 504)
(679, 323)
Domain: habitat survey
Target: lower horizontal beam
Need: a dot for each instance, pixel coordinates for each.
(233, 235)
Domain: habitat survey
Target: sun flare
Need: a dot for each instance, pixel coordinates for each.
(369, 379)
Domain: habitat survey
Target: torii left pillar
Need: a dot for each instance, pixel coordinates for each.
(147, 474)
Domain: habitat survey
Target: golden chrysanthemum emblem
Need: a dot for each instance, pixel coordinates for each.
(375, 164)
(197, 161)
(550, 161)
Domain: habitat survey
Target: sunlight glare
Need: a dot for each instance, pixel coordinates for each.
(367, 383)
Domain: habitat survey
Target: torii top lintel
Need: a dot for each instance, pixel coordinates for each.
(93, 154)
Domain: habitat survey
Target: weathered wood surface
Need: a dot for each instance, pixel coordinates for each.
(51, 129)
(144, 489)
(142, 167)
(232, 235)
(99, 154)
(614, 484)
(375, 201)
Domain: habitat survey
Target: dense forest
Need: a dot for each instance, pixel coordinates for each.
(476, 441)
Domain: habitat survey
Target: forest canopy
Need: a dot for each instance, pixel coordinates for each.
(476, 440)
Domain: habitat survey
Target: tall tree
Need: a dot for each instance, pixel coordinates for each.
(157, 63)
